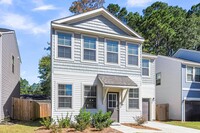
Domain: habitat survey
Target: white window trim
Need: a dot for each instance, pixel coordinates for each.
(139, 48)
(139, 98)
(105, 54)
(82, 91)
(146, 67)
(192, 75)
(56, 46)
(160, 78)
(117, 100)
(56, 97)
(82, 48)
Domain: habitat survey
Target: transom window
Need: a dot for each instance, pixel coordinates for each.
(112, 51)
(64, 95)
(134, 98)
(64, 45)
(89, 48)
(193, 74)
(132, 54)
(145, 67)
(90, 97)
(158, 78)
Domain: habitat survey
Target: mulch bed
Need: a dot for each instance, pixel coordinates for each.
(139, 126)
(72, 130)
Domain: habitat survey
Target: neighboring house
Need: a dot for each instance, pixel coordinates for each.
(9, 71)
(178, 84)
(97, 64)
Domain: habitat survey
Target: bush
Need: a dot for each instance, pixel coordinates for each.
(101, 121)
(64, 122)
(55, 129)
(139, 120)
(46, 122)
(82, 120)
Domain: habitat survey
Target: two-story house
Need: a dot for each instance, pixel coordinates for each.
(178, 84)
(97, 64)
(9, 71)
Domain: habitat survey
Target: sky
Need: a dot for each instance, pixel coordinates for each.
(31, 21)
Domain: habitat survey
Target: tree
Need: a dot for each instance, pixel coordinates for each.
(24, 86)
(45, 73)
(81, 6)
(195, 9)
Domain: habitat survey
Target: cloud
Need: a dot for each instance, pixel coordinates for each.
(9, 2)
(19, 22)
(139, 3)
(45, 8)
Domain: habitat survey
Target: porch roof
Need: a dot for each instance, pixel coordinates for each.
(116, 81)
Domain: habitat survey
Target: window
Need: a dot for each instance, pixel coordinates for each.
(89, 48)
(112, 51)
(189, 73)
(158, 79)
(90, 97)
(13, 64)
(197, 74)
(64, 45)
(132, 54)
(134, 98)
(65, 96)
(193, 74)
(145, 67)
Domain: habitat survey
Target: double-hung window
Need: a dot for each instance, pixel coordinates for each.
(193, 74)
(112, 51)
(134, 98)
(64, 95)
(64, 45)
(89, 48)
(90, 97)
(190, 73)
(133, 54)
(145, 67)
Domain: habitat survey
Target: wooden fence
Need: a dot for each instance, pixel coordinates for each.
(25, 109)
(162, 112)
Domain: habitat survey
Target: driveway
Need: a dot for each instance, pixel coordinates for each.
(165, 128)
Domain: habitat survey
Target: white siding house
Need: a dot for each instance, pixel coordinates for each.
(9, 71)
(97, 64)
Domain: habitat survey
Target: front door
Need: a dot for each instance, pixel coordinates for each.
(145, 109)
(113, 106)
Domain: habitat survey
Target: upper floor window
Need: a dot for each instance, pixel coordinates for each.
(158, 78)
(13, 64)
(89, 48)
(90, 97)
(64, 95)
(193, 74)
(133, 98)
(112, 51)
(132, 54)
(64, 45)
(145, 67)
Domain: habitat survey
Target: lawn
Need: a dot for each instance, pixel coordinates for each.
(20, 127)
(195, 125)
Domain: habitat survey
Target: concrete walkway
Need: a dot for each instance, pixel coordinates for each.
(165, 128)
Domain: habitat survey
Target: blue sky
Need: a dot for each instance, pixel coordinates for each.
(31, 21)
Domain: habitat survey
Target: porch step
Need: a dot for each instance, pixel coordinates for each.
(115, 124)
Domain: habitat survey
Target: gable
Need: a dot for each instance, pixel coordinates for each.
(99, 23)
(98, 20)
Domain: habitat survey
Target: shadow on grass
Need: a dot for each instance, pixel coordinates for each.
(35, 123)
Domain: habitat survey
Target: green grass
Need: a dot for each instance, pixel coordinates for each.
(20, 127)
(195, 125)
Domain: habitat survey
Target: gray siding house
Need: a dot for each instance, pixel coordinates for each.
(178, 84)
(97, 64)
(9, 71)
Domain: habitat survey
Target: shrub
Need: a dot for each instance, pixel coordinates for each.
(46, 122)
(64, 122)
(101, 121)
(55, 129)
(82, 120)
(139, 120)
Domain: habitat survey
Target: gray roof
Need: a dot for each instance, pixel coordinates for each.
(116, 80)
(5, 30)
